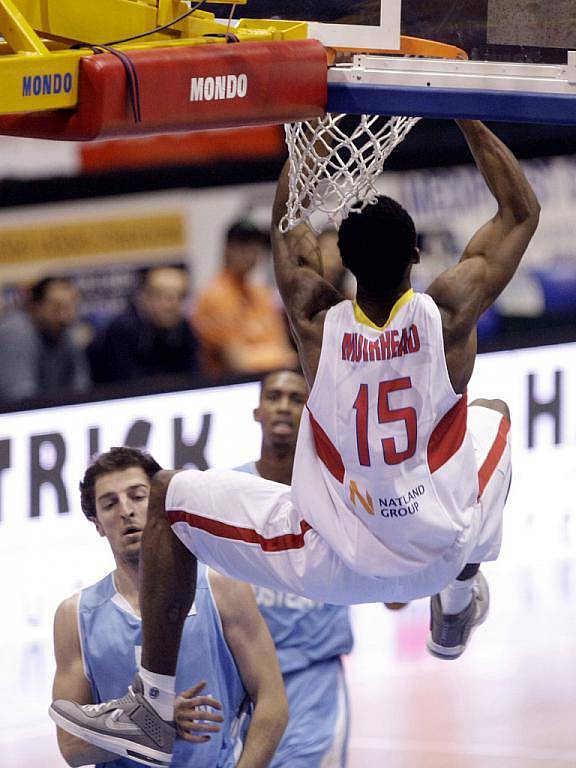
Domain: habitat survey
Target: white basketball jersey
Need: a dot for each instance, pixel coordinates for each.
(385, 469)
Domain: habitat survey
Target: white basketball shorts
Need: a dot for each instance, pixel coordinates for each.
(248, 528)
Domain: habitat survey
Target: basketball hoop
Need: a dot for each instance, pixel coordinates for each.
(334, 171)
(333, 167)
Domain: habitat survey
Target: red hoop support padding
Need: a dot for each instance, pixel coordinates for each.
(188, 88)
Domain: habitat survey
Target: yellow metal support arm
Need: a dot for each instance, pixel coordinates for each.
(17, 31)
(101, 21)
(41, 73)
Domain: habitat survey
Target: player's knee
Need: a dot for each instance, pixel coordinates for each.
(495, 405)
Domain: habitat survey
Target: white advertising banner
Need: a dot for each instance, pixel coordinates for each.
(538, 385)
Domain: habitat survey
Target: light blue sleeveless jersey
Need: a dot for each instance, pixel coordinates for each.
(110, 634)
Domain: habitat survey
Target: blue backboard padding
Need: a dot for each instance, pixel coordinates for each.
(507, 106)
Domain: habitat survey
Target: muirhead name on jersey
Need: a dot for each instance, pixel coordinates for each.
(389, 344)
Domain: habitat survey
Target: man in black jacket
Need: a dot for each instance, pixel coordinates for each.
(152, 336)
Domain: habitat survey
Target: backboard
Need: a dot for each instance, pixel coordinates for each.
(520, 67)
(522, 64)
(535, 32)
(361, 25)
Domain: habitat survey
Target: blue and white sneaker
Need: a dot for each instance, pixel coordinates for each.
(128, 726)
(449, 633)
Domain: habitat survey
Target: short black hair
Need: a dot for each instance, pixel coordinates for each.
(245, 231)
(265, 378)
(114, 460)
(297, 371)
(38, 290)
(378, 243)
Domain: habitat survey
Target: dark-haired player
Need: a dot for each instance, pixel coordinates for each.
(226, 659)
(398, 485)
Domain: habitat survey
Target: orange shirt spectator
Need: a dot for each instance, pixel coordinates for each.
(239, 324)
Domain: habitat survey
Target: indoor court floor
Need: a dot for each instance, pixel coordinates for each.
(509, 702)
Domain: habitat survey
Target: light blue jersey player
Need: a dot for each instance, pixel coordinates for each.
(310, 637)
(110, 634)
(227, 662)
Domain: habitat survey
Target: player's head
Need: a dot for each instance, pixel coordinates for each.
(162, 293)
(378, 245)
(245, 246)
(52, 304)
(114, 496)
(283, 395)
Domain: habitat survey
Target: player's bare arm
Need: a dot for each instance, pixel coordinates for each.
(298, 267)
(493, 254)
(253, 649)
(70, 682)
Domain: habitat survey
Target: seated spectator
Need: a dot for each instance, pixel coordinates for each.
(152, 336)
(239, 323)
(39, 354)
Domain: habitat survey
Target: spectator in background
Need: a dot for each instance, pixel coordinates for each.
(38, 352)
(152, 336)
(240, 325)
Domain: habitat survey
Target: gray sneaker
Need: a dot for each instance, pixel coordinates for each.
(449, 633)
(128, 726)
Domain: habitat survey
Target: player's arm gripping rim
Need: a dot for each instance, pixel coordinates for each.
(307, 296)
(492, 256)
(253, 650)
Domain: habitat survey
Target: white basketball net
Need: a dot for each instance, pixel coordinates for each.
(334, 172)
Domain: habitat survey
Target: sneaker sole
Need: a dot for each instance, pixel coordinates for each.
(441, 651)
(143, 755)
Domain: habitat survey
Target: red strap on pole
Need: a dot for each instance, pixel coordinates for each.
(188, 88)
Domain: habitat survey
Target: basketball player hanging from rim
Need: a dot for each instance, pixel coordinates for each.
(398, 485)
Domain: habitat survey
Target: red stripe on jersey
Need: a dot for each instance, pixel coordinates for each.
(327, 451)
(247, 535)
(494, 455)
(448, 435)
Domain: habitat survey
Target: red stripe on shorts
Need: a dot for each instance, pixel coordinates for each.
(448, 435)
(247, 535)
(494, 455)
(327, 451)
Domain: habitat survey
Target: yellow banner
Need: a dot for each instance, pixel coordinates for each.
(105, 238)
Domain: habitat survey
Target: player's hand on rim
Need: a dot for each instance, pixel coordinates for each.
(194, 715)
